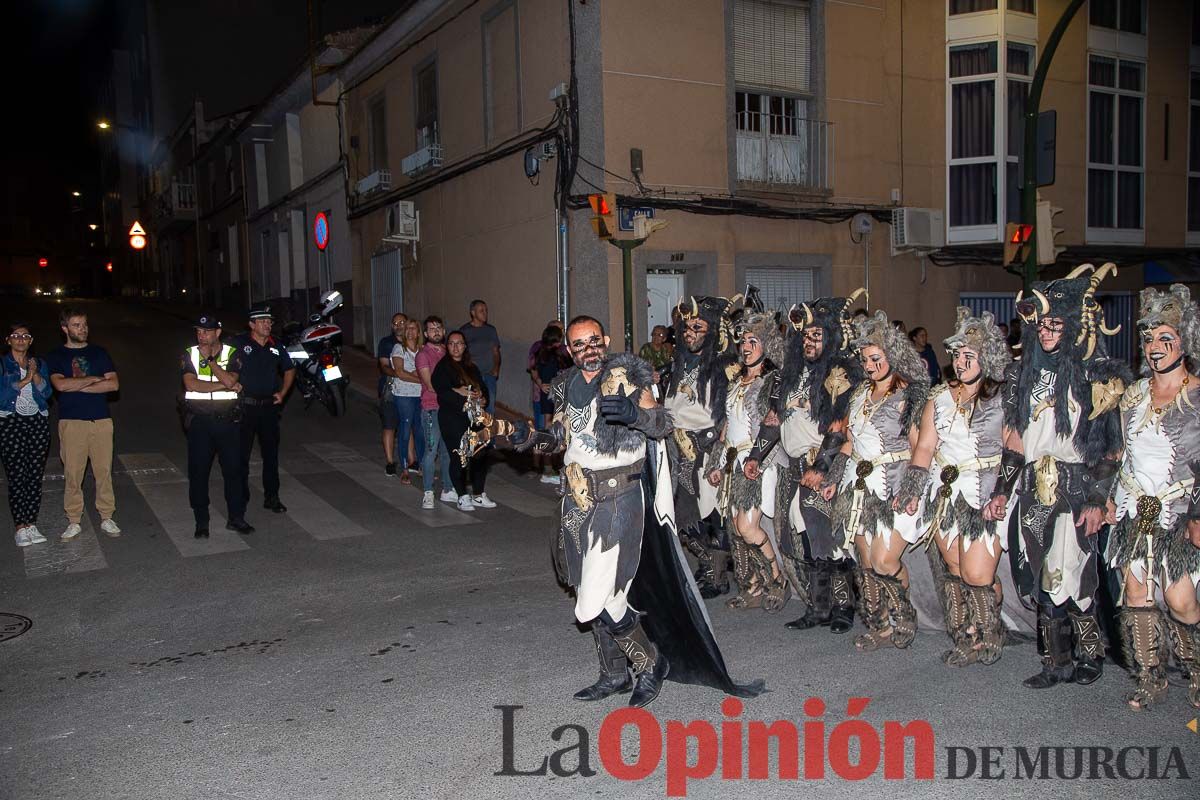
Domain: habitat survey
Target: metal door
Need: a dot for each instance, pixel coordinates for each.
(663, 290)
(387, 292)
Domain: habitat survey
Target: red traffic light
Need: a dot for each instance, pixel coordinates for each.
(43, 262)
(600, 204)
(1020, 234)
(108, 267)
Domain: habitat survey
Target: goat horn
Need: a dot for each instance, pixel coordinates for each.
(1041, 298)
(1091, 348)
(1020, 295)
(859, 292)
(1082, 268)
(733, 301)
(792, 318)
(695, 308)
(1107, 331)
(1103, 272)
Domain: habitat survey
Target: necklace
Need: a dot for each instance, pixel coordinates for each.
(870, 406)
(959, 407)
(1158, 410)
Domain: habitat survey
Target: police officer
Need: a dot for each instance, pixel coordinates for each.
(266, 373)
(210, 392)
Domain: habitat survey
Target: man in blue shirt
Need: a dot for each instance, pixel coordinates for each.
(388, 414)
(83, 375)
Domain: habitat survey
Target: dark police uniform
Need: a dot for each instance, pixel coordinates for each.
(260, 370)
(212, 430)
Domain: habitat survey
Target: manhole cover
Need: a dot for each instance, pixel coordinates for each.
(13, 625)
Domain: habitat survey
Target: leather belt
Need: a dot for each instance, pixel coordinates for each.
(258, 401)
(949, 474)
(864, 468)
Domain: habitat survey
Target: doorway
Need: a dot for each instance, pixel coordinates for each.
(664, 287)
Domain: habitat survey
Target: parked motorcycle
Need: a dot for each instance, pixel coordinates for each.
(316, 353)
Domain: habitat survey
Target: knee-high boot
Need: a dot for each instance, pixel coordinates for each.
(954, 605)
(904, 616)
(983, 611)
(1145, 642)
(614, 669)
(1089, 645)
(1185, 641)
(1054, 646)
(649, 666)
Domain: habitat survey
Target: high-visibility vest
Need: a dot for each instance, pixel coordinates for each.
(204, 373)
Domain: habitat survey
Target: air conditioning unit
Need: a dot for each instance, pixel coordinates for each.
(401, 222)
(917, 229)
(378, 181)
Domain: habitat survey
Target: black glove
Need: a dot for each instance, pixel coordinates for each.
(1100, 482)
(520, 433)
(617, 409)
(1011, 464)
(1194, 505)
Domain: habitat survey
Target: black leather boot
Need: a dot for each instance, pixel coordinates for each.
(1054, 645)
(649, 666)
(1089, 646)
(820, 578)
(614, 669)
(841, 612)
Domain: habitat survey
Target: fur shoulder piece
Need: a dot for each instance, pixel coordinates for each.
(1135, 393)
(915, 395)
(625, 373)
(1100, 370)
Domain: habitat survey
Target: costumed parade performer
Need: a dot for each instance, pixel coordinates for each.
(962, 431)
(1156, 511)
(810, 402)
(695, 400)
(746, 495)
(1062, 435)
(616, 545)
(881, 430)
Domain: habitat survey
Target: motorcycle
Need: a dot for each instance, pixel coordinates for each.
(316, 353)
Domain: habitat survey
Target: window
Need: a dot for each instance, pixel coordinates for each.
(778, 141)
(427, 105)
(1024, 6)
(1128, 16)
(501, 79)
(971, 6)
(973, 71)
(1020, 64)
(1193, 212)
(377, 134)
(1116, 100)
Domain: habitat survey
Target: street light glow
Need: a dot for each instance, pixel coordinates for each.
(76, 194)
(92, 226)
(103, 125)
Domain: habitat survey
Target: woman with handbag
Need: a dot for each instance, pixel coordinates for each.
(24, 431)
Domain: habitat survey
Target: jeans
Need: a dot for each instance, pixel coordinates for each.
(434, 448)
(490, 382)
(408, 411)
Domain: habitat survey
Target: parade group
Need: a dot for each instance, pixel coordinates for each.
(805, 453)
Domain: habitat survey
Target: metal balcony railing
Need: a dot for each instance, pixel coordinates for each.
(178, 201)
(785, 152)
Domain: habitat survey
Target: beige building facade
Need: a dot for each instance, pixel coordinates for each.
(777, 138)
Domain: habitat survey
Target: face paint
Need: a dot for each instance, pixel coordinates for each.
(875, 363)
(750, 351)
(695, 333)
(966, 365)
(1050, 331)
(588, 347)
(814, 343)
(1162, 350)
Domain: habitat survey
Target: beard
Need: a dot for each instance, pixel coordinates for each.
(77, 339)
(694, 344)
(591, 359)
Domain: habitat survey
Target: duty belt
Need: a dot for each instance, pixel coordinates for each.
(949, 474)
(587, 487)
(258, 401)
(865, 467)
(1149, 509)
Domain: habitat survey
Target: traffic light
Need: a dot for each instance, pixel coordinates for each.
(604, 206)
(108, 267)
(1047, 250)
(1016, 239)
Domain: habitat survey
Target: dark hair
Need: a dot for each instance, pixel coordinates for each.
(460, 367)
(69, 313)
(432, 320)
(475, 304)
(915, 332)
(656, 328)
(987, 388)
(12, 326)
(581, 319)
(549, 351)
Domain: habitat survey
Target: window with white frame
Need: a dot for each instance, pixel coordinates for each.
(1116, 142)
(975, 6)
(777, 141)
(973, 70)
(1020, 61)
(377, 134)
(1193, 212)
(1128, 16)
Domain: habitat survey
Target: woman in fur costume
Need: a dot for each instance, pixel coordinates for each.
(962, 430)
(745, 499)
(882, 430)
(1156, 506)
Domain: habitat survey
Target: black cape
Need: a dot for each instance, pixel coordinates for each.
(663, 590)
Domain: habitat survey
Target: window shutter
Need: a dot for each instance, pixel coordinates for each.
(771, 45)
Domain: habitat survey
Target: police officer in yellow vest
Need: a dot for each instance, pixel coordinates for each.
(211, 420)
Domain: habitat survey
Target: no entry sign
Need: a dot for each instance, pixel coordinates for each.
(321, 231)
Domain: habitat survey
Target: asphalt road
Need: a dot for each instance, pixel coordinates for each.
(357, 647)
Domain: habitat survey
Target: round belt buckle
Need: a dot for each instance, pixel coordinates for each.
(1149, 507)
(945, 490)
(864, 469)
(949, 474)
(860, 485)
(611, 482)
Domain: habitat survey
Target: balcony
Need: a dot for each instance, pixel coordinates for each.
(785, 154)
(176, 205)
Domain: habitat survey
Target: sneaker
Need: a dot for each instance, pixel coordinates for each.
(465, 504)
(415, 468)
(110, 527)
(35, 536)
(390, 469)
(22, 538)
(483, 501)
(450, 496)
(72, 531)
(548, 478)
(427, 500)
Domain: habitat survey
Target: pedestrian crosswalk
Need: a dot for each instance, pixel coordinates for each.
(315, 508)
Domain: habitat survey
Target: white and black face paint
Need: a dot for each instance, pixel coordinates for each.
(587, 346)
(875, 363)
(814, 343)
(1162, 349)
(750, 350)
(695, 334)
(966, 365)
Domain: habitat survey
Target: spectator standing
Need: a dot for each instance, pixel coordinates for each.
(387, 406)
(547, 358)
(435, 449)
(24, 431)
(483, 342)
(83, 374)
(456, 379)
(406, 393)
(920, 339)
(657, 351)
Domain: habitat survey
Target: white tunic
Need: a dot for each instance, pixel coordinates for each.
(798, 430)
(581, 441)
(685, 407)
(874, 435)
(1040, 438)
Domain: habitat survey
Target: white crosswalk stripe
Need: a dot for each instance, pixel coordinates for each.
(308, 509)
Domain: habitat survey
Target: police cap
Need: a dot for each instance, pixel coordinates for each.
(208, 321)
